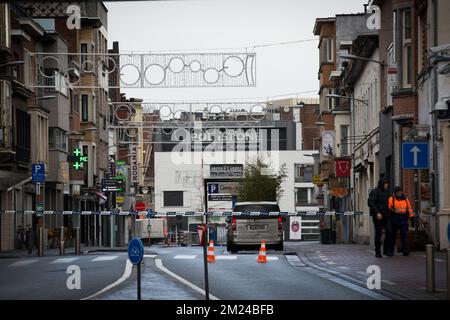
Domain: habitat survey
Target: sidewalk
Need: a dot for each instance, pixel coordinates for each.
(55, 252)
(402, 277)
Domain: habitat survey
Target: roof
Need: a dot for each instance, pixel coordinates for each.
(320, 22)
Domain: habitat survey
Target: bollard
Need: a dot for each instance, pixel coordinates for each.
(430, 268)
(77, 241)
(448, 273)
(41, 242)
(61, 242)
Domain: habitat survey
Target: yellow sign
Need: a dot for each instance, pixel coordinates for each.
(317, 180)
(120, 199)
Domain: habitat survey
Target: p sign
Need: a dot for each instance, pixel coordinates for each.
(38, 172)
(213, 188)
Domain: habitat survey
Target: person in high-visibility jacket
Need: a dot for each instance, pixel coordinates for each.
(401, 212)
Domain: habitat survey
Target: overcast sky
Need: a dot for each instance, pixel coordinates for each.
(207, 24)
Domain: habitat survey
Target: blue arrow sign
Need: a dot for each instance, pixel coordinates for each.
(38, 172)
(415, 156)
(135, 251)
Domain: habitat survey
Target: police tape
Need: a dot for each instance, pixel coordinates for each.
(181, 214)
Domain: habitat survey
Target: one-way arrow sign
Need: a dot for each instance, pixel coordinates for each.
(415, 156)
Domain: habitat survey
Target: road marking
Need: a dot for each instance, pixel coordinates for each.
(185, 257)
(150, 256)
(64, 260)
(160, 266)
(331, 263)
(362, 273)
(389, 282)
(125, 276)
(105, 258)
(344, 268)
(272, 258)
(22, 263)
(293, 258)
(226, 258)
(439, 260)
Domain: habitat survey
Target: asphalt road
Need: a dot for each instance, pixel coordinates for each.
(42, 278)
(240, 277)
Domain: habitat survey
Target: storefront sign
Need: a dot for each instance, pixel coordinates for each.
(339, 192)
(134, 163)
(226, 170)
(343, 168)
(328, 138)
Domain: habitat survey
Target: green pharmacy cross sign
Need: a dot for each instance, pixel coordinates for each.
(78, 159)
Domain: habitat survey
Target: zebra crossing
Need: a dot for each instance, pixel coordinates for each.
(68, 260)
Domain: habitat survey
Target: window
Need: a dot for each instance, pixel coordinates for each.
(57, 139)
(28, 78)
(5, 114)
(23, 136)
(5, 40)
(304, 173)
(173, 198)
(302, 197)
(83, 51)
(330, 50)
(344, 141)
(84, 107)
(76, 103)
(407, 55)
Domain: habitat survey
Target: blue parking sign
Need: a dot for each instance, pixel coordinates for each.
(415, 156)
(38, 172)
(213, 188)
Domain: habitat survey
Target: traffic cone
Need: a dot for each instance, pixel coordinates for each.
(262, 258)
(211, 257)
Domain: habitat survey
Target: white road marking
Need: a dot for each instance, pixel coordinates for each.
(291, 258)
(272, 258)
(150, 256)
(439, 260)
(389, 282)
(160, 266)
(22, 263)
(331, 263)
(344, 268)
(185, 257)
(105, 258)
(64, 260)
(362, 273)
(226, 258)
(125, 276)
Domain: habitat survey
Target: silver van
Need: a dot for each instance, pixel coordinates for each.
(246, 233)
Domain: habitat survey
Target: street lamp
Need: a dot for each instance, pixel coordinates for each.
(45, 98)
(353, 57)
(336, 96)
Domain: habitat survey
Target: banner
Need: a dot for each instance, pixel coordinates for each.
(134, 163)
(295, 228)
(328, 138)
(343, 168)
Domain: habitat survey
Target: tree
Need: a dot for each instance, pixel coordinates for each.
(258, 186)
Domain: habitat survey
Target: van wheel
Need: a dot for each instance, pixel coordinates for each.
(231, 248)
(279, 247)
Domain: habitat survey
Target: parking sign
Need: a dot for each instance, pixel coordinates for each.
(38, 172)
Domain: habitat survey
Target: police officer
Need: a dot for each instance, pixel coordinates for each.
(378, 204)
(402, 211)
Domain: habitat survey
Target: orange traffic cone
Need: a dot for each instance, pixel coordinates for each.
(262, 258)
(211, 257)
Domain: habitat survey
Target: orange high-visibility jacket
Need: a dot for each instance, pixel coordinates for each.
(402, 207)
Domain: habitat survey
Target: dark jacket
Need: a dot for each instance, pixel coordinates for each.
(378, 200)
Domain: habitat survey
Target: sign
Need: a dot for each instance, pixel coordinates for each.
(134, 163)
(149, 227)
(415, 156)
(77, 158)
(220, 197)
(135, 251)
(121, 170)
(295, 228)
(139, 206)
(120, 199)
(38, 172)
(112, 185)
(339, 192)
(226, 170)
(317, 179)
(213, 188)
(328, 138)
(343, 168)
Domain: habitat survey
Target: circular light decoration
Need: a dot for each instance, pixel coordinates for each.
(181, 116)
(257, 112)
(233, 66)
(124, 112)
(215, 109)
(110, 64)
(67, 80)
(176, 65)
(195, 66)
(41, 67)
(155, 74)
(165, 112)
(211, 75)
(129, 74)
(88, 66)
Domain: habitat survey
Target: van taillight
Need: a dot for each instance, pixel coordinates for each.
(280, 223)
(280, 220)
(233, 223)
